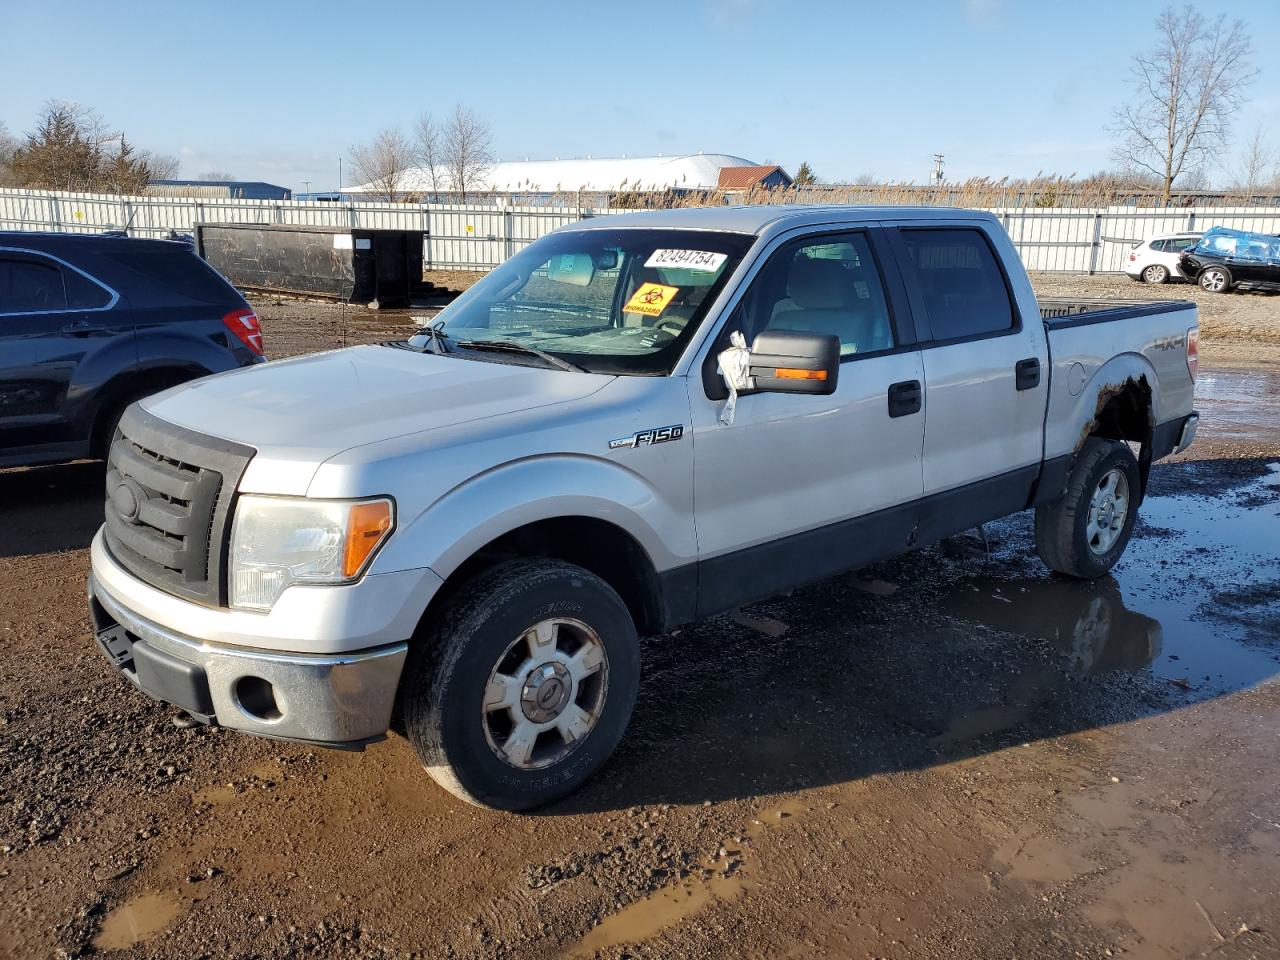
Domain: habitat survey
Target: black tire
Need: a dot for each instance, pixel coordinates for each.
(445, 714)
(1215, 279)
(1062, 537)
(1156, 273)
(104, 430)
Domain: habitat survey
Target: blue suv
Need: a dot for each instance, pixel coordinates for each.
(90, 323)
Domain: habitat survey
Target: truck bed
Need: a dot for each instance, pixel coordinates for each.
(1058, 313)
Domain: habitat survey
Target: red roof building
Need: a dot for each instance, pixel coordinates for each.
(768, 176)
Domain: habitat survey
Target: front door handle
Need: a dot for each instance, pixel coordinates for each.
(905, 398)
(1027, 373)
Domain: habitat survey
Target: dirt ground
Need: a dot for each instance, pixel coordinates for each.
(952, 754)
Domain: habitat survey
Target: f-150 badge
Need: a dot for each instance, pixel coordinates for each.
(645, 438)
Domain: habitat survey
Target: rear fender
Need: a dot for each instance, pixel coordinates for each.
(189, 345)
(1074, 419)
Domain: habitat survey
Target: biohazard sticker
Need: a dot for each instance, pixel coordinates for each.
(651, 299)
(703, 261)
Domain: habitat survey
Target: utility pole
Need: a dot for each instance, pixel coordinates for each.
(937, 176)
(307, 184)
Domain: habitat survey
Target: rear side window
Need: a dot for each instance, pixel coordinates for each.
(83, 293)
(1160, 246)
(29, 286)
(1182, 243)
(960, 281)
(168, 275)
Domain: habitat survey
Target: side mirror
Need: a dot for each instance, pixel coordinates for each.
(793, 361)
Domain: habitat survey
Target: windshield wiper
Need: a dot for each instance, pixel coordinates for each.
(511, 346)
(442, 341)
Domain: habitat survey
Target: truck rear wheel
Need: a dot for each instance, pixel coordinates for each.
(1084, 533)
(523, 687)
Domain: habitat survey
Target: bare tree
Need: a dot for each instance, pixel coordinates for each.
(429, 148)
(382, 164)
(8, 144)
(1187, 90)
(1257, 169)
(218, 175)
(467, 150)
(164, 166)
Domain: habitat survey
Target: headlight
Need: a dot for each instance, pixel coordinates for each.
(280, 541)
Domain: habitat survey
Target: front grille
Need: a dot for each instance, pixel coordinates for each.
(169, 499)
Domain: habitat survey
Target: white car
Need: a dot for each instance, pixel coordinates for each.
(1156, 260)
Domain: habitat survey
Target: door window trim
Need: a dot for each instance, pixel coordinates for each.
(42, 255)
(924, 324)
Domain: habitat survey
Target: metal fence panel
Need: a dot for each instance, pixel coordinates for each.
(480, 236)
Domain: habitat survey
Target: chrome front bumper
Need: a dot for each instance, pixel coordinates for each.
(336, 700)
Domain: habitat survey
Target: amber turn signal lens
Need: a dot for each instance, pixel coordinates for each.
(790, 373)
(369, 523)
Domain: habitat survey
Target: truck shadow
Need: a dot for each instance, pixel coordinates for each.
(948, 653)
(50, 509)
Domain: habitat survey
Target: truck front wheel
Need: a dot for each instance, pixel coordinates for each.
(1084, 533)
(523, 686)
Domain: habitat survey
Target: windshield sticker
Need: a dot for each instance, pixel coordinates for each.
(651, 299)
(701, 260)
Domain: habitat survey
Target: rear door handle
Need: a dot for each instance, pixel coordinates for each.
(83, 327)
(1027, 373)
(905, 398)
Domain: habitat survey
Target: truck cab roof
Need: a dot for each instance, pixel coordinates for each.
(758, 220)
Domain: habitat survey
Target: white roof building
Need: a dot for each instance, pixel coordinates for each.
(699, 171)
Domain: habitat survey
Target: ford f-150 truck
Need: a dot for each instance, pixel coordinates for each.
(634, 422)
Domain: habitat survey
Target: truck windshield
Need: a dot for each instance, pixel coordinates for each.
(609, 301)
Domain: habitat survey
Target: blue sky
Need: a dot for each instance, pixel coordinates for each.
(279, 91)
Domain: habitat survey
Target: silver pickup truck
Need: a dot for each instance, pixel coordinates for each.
(634, 422)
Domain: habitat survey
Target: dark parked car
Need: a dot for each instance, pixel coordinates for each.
(90, 323)
(1225, 259)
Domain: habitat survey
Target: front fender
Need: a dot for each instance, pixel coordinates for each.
(476, 512)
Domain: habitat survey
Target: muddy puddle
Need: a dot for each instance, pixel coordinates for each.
(1210, 632)
(1238, 403)
(139, 919)
(729, 875)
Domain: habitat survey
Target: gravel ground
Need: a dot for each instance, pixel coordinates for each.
(952, 754)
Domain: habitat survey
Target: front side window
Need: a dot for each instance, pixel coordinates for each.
(960, 281)
(611, 301)
(829, 285)
(29, 286)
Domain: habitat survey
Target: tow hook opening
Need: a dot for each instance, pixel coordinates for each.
(257, 698)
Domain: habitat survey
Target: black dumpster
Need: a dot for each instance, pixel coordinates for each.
(382, 268)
